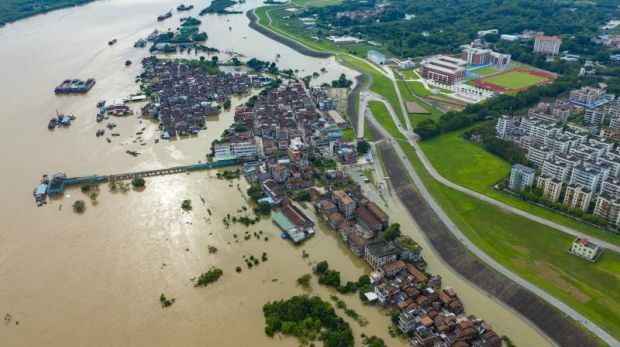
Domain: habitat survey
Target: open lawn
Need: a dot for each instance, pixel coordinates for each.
(382, 114)
(534, 251)
(471, 166)
(410, 74)
(349, 134)
(515, 80)
(464, 163)
(418, 88)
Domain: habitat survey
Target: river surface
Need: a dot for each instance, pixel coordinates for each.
(95, 279)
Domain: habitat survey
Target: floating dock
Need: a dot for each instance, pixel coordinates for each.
(74, 86)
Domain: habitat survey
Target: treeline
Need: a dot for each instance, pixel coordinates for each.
(495, 107)
(441, 26)
(12, 10)
(505, 149)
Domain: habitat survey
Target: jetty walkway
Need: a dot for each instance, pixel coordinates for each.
(60, 181)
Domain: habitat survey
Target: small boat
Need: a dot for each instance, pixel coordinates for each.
(127, 62)
(134, 153)
(112, 42)
(156, 140)
(229, 28)
(182, 7)
(163, 17)
(111, 125)
(100, 103)
(52, 123)
(116, 134)
(108, 139)
(100, 132)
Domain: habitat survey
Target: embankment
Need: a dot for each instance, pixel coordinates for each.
(287, 42)
(549, 320)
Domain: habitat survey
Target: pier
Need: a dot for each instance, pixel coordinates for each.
(60, 181)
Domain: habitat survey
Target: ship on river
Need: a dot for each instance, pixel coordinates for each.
(74, 86)
(163, 17)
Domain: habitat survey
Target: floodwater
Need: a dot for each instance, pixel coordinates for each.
(95, 278)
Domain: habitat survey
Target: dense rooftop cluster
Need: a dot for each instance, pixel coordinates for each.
(184, 95)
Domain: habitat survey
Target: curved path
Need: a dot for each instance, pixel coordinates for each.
(411, 137)
(413, 140)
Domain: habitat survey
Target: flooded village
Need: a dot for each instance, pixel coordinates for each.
(130, 246)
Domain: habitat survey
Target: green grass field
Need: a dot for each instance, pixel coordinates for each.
(515, 80)
(415, 118)
(418, 88)
(463, 162)
(470, 166)
(489, 70)
(410, 74)
(349, 134)
(536, 252)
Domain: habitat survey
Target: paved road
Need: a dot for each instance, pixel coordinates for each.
(436, 175)
(413, 140)
(472, 247)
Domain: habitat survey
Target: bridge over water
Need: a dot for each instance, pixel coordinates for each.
(60, 181)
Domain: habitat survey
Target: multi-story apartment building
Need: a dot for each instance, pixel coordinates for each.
(608, 207)
(379, 252)
(521, 177)
(558, 169)
(577, 197)
(589, 96)
(587, 176)
(505, 126)
(346, 205)
(551, 187)
(539, 154)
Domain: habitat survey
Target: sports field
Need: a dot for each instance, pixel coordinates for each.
(489, 70)
(514, 80)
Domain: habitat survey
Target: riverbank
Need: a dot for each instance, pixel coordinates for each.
(14, 10)
(548, 319)
(548, 285)
(289, 43)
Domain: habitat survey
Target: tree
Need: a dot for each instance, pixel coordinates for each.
(362, 147)
(209, 277)
(264, 208)
(79, 206)
(321, 267)
(227, 104)
(304, 280)
(392, 232)
(186, 204)
(214, 60)
(138, 182)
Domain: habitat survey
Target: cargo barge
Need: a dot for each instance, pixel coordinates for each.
(75, 86)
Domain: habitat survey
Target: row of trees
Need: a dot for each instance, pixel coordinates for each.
(445, 30)
(503, 104)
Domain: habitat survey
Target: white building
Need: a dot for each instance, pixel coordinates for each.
(245, 150)
(505, 126)
(376, 57)
(539, 154)
(586, 249)
(521, 176)
(547, 45)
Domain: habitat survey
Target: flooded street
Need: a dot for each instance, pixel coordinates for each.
(95, 279)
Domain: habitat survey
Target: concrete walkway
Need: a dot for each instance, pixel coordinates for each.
(473, 248)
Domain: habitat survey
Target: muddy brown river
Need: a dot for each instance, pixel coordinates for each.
(94, 279)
